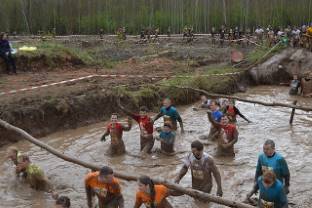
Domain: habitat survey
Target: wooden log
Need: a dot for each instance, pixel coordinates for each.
(274, 104)
(191, 192)
(292, 113)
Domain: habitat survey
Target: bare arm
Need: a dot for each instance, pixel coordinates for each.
(241, 115)
(182, 173)
(157, 116)
(212, 121)
(217, 176)
(128, 113)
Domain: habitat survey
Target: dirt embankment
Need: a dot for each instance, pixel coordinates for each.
(46, 110)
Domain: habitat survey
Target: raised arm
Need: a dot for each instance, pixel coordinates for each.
(128, 113)
(160, 114)
(212, 121)
(237, 111)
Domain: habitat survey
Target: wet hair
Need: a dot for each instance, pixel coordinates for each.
(270, 142)
(270, 174)
(197, 145)
(64, 201)
(106, 171)
(143, 108)
(148, 181)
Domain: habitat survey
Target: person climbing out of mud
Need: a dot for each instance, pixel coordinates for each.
(106, 187)
(115, 129)
(295, 84)
(217, 115)
(146, 127)
(204, 103)
(228, 135)
(271, 160)
(202, 167)
(151, 195)
(271, 190)
(232, 111)
(170, 114)
(167, 138)
(6, 53)
(34, 175)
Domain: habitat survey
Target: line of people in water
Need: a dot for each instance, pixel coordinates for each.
(272, 177)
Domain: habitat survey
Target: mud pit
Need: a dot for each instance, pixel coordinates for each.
(294, 142)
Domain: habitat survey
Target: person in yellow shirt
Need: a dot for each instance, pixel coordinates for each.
(106, 187)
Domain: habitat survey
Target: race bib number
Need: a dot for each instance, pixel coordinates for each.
(198, 174)
(149, 204)
(266, 204)
(102, 192)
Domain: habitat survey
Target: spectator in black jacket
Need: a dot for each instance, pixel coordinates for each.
(6, 53)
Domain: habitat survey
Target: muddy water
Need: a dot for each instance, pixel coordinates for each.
(294, 142)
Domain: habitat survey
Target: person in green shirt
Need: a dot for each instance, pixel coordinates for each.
(34, 174)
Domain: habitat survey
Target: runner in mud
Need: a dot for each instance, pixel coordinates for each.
(6, 53)
(294, 85)
(202, 167)
(151, 195)
(146, 127)
(34, 174)
(115, 130)
(271, 38)
(232, 111)
(205, 103)
(106, 187)
(167, 138)
(170, 114)
(295, 37)
(271, 160)
(227, 137)
(259, 33)
(217, 115)
(272, 194)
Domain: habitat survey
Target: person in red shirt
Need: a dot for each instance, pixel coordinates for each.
(151, 195)
(106, 187)
(232, 111)
(146, 127)
(228, 135)
(115, 130)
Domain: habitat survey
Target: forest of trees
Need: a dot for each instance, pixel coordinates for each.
(88, 16)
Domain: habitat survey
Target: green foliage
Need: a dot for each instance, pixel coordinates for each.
(85, 16)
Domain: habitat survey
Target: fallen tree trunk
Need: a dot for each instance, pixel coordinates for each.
(274, 104)
(191, 192)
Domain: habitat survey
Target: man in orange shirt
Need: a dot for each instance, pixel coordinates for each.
(152, 196)
(106, 187)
